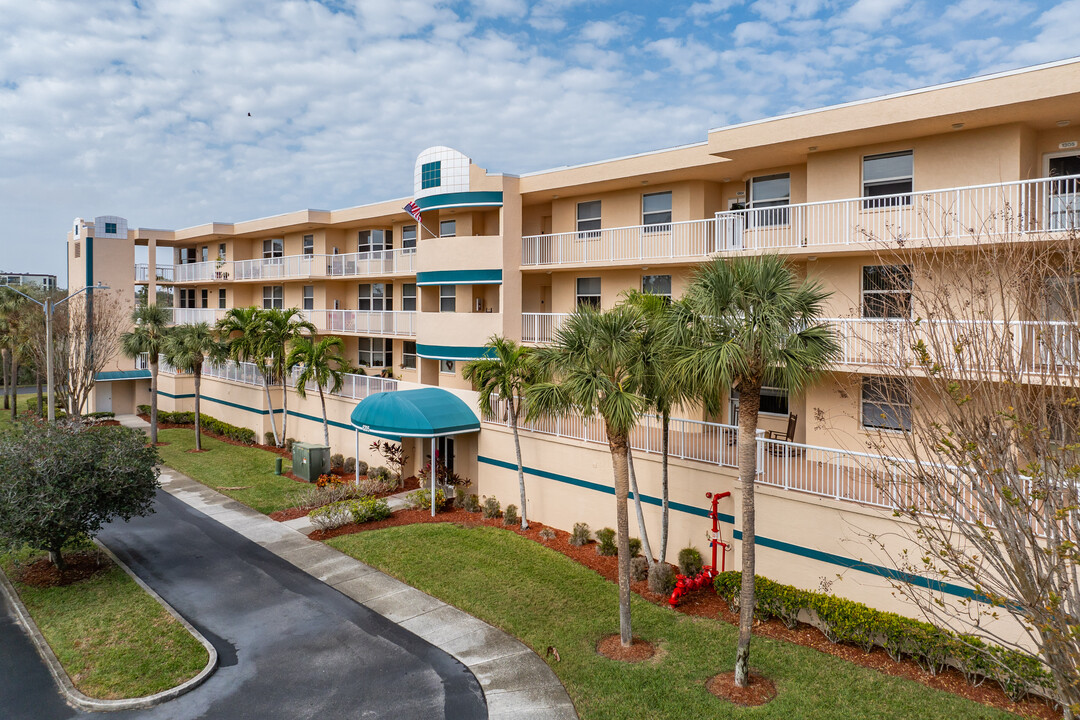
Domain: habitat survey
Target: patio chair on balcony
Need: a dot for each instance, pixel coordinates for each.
(787, 435)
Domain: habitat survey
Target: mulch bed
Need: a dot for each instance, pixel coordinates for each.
(758, 691)
(78, 566)
(293, 513)
(708, 604)
(610, 646)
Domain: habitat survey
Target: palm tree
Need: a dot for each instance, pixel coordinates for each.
(746, 323)
(278, 328)
(148, 336)
(242, 331)
(507, 372)
(322, 362)
(187, 349)
(592, 368)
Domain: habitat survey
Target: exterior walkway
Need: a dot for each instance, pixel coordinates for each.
(133, 421)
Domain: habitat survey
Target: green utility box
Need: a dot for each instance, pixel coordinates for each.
(309, 461)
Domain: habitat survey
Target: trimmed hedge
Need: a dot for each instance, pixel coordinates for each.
(933, 648)
(210, 424)
(363, 510)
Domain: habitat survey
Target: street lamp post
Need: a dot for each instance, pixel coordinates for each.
(49, 307)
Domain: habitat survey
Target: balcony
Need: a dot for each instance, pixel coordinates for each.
(190, 316)
(400, 323)
(162, 273)
(201, 272)
(539, 328)
(964, 215)
(379, 262)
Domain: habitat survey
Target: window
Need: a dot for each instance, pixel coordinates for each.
(448, 298)
(408, 297)
(447, 228)
(1064, 194)
(774, 401)
(204, 253)
(273, 297)
(309, 297)
(444, 451)
(588, 219)
(887, 179)
(221, 251)
(221, 298)
(375, 240)
(408, 354)
(376, 352)
(588, 291)
(408, 236)
(187, 297)
(447, 367)
(656, 285)
(1064, 421)
(375, 297)
(886, 291)
(110, 228)
(769, 197)
(656, 212)
(205, 299)
(431, 175)
(273, 248)
(309, 244)
(886, 404)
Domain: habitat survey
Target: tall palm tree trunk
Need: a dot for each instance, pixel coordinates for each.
(4, 374)
(665, 432)
(618, 445)
(637, 506)
(14, 384)
(284, 402)
(153, 400)
(37, 380)
(749, 403)
(198, 417)
(325, 424)
(270, 406)
(520, 466)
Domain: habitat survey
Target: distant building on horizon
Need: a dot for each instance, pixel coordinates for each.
(48, 282)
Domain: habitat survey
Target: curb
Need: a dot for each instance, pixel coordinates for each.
(68, 689)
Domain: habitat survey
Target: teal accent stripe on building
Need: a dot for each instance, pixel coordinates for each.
(89, 261)
(460, 277)
(450, 352)
(810, 553)
(460, 199)
(177, 397)
(122, 375)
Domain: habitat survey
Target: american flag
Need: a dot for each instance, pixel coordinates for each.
(414, 210)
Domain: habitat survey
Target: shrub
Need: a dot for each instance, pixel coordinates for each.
(580, 535)
(491, 508)
(846, 621)
(606, 542)
(635, 547)
(350, 465)
(547, 533)
(510, 516)
(289, 443)
(421, 499)
(225, 430)
(690, 562)
(337, 462)
(361, 467)
(460, 500)
(268, 438)
(395, 457)
(639, 568)
(661, 578)
(472, 503)
(328, 479)
(336, 514)
(140, 409)
(100, 415)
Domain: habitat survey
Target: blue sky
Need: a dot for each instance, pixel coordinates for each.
(140, 109)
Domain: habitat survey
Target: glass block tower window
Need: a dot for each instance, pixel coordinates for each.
(431, 174)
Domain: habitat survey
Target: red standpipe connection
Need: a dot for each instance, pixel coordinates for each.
(684, 584)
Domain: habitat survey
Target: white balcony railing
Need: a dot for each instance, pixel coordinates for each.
(540, 327)
(401, 261)
(400, 323)
(190, 316)
(200, 272)
(162, 273)
(962, 214)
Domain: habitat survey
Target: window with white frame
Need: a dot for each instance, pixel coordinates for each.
(448, 298)
(110, 228)
(273, 248)
(187, 298)
(204, 298)
(588, 219)
(375, 297)
(408, 297)
(888, 179)
(376, 352)
(221, 251)
(221, 298)
(447, 228)
(204, 253)
(886, 291)
(886, 403)
(309, 297)
(774, 401)
(309, 244)
(408, 354)
(588, 291)
(273, 297)
(656, 285)
(770, 196)
(374, 240)
(447, 367)
(408, 236)
(656, 211)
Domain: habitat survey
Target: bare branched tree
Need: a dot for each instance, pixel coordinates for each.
(975, 355)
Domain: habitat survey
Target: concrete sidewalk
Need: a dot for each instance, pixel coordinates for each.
(516, 682)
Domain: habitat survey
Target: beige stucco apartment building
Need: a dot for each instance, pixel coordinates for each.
(513, 254)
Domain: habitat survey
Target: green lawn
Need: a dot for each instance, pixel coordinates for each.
(544, 598)
(113, 639)
(231, 466)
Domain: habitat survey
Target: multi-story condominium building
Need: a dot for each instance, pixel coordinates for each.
(46, 282)
(512, 255)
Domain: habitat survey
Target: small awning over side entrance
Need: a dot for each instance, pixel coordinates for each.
(421, 413)
(122, 375)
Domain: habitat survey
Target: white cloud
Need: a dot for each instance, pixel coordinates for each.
(700, 10)
(997, 11)
(602, 32)
(872, 13)
(688, 57)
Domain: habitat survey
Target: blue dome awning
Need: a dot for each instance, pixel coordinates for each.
(420, 413)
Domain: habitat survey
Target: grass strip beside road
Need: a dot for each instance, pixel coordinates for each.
(114, 640)
(225, 466)
(546, 599)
